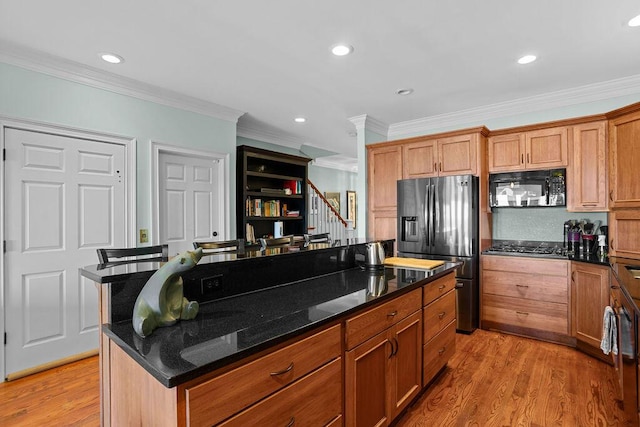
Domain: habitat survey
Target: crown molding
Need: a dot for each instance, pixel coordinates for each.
(366, 122)
(46, 63)
(265, 135)
(562, 98)
(346, 164)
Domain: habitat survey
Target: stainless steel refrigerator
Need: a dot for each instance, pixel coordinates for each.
(438, 219)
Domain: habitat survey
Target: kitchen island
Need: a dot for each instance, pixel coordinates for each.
(275, 331)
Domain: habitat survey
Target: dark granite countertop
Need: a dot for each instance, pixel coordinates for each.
(230, 329)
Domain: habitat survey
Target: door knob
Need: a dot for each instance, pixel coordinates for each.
(214, 234)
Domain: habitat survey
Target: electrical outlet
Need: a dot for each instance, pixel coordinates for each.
(144, 235)
(211, 285)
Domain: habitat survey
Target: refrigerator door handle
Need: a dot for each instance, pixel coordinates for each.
(432, 213)
(427, 213)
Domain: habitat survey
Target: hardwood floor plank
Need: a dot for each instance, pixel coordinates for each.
(503, 380)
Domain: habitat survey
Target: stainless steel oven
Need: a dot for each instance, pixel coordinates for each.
(626, 361)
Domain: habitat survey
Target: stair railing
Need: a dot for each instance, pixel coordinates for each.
(322, 217)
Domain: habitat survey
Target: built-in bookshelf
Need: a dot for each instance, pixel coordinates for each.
(271, 188)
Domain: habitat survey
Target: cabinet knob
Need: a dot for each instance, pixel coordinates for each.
(392, 314)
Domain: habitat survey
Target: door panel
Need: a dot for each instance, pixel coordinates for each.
(190, 199)
(65, 197)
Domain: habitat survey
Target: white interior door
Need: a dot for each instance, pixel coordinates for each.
(190, 199)
(65, 197)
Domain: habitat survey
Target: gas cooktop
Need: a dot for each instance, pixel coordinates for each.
(542, 249)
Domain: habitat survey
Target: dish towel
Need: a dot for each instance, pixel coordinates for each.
(609, 343)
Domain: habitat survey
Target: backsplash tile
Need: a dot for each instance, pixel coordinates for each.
(536, 224)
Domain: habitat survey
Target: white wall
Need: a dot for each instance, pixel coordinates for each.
(35, 96)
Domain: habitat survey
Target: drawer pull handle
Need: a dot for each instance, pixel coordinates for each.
(289, 368)
(292, 421)
(441, 287)
(441, 315)
(442, 350)
(611, 195)
(522, 312)
(522, 286)
(393, 313)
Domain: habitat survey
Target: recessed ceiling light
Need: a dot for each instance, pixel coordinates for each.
(635, 22)
(111, 58)
(527, 59)
(341, 49)
(299, 120)
(403, 92)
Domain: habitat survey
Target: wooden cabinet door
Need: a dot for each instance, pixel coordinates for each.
(624, 233)
(420, 159)
(384, 168)
(587, 180)
(457, 155)
(624, 161)
(506, 152)
(367, 381)
(547, 148)
(406, 362)
(383, 225)
(590, 290)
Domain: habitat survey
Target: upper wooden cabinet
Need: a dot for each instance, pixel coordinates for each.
(454, 155)
(587, 172)
(384, 166)
(624, 161)
(624, 233)
(537, 149)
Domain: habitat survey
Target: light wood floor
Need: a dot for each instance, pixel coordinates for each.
(493, 380)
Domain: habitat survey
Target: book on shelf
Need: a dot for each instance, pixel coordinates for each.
(293, 213)
(294, 186)
(250, 236)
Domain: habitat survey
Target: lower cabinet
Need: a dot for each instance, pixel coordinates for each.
(315, 400)
(439, 321)
(384, 373)
(590, 289)
(298, 370)
(527, 296)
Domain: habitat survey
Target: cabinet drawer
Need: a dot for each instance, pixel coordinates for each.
(524, 285)
(218, 398)
(548, 267)
(438, 351)
(375, 320)
(315, 400)
(439, 314)
(540, 315)
(437, 288)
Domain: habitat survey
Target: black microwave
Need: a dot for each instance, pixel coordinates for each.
(541, 188)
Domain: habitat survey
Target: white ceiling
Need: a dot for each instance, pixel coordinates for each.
(271, 60)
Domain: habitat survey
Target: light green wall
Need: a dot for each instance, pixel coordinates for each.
(35, 96)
